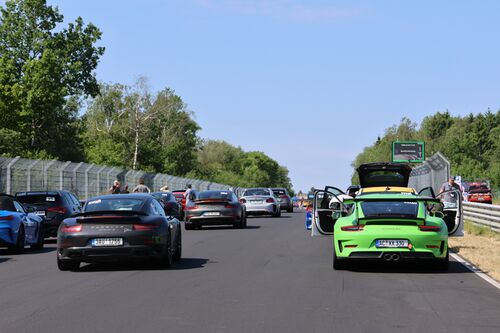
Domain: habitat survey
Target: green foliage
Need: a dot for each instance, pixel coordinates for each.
(471, 143)
(44, 68)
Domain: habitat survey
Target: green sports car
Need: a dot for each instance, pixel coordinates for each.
(387, 220)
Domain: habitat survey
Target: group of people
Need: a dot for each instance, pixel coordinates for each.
(117, 188)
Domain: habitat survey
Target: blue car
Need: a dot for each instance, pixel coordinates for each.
(19, 228)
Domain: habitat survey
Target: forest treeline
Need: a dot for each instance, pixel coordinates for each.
(471, 143)
(52, 106)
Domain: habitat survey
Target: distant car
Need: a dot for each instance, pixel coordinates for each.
(19, 228)
(52, 206)
(179, 196)
(284, 198)
(169, 202)
(119, 227)
(215, 208)
(261, 201)
(479, 192)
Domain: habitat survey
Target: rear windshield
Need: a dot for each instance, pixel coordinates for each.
(40, 199)
(119, 204)
(279, 192)
(403, 209)
(223, 195)
(256, 192)
(479, 189)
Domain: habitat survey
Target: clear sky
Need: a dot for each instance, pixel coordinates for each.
(308, 82)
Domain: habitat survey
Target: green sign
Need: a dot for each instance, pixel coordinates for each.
(408, 151)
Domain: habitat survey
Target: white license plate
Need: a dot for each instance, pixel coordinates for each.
(211, 213)
(256, 201)
(481, 199)
(40, 212)
(391, 243)
(107, 242)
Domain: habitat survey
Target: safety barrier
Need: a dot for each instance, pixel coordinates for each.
(483, 214)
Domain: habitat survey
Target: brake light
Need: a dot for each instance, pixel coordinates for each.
(191, 207)
(434, 228)
(142, 227)
(432, 246)
(59, 210)
(358, 227)
(230, 206)
(72, 228)
(270, 200)
(243, 201)
(284, 196)
(6, 218)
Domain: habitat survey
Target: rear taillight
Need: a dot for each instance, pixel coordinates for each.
(191, 207)
(142, 227)
(434, 228)
(230, 206)
(353, 227)
(284, 196)
(72, 228)
(59, 210)
(243, 201)
(270, 200)
(6, 218)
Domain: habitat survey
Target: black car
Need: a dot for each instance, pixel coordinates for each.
(215, 208)
(169, 202)
(53, 206)
(119, 227)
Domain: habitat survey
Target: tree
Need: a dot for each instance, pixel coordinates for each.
(43, 66)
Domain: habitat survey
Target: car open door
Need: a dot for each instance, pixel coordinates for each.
(452, 208)
(325, 215)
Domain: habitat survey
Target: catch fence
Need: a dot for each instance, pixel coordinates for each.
(85, 180)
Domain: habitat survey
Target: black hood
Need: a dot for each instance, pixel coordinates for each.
(384, 174)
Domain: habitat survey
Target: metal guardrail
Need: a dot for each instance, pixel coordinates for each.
(483, 214)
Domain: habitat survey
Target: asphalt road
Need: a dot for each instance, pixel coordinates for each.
(271, 277)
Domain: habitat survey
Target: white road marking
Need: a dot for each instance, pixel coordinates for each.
(476, 270)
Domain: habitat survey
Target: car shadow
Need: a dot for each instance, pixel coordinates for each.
(4, 260)
(227, 228)
(50, 240)
(184, 263)
(405, 267)
(27, 251)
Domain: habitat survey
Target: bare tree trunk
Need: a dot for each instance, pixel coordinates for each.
(136, 141)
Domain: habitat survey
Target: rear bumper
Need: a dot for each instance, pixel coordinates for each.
(379, 255)
(260, 209)
(106, 254)
(211, 220)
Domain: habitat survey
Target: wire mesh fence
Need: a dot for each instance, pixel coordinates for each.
(85, 180)
(434, 171)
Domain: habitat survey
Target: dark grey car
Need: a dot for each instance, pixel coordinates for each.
(284, 198)
(215, 208)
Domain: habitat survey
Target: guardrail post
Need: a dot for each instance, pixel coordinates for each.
(28, 176)
(61, 175)
(9, 173)
(46, 174)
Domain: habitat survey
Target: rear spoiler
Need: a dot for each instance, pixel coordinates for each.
(110, 212)
(409, 199)
(202, 201)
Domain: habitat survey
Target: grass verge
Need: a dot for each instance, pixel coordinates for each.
(481, 247)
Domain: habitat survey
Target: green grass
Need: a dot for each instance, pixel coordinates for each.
(480, 230)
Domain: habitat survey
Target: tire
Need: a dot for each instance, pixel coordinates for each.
(442, 264)
(41, 239)
(290, 210)
(245, 220)
(18, 248)
(167, 259)
(278, 212)
(338, 264)
(188, 227)
(178, 250)
(68, 265)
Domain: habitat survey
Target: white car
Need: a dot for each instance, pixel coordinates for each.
(261, 201)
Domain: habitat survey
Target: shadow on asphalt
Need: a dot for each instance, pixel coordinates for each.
(50, 240)
(4, 260)
(27, 251)
(405, 267)
(226, 228)
(184, 263)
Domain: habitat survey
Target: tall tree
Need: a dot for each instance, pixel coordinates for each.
(43, 65)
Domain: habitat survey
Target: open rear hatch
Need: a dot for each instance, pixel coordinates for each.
(384, 174)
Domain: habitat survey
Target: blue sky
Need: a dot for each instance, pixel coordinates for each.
(308, 82)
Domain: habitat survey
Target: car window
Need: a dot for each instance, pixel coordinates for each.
(41, 199)
(279, 192)
(157, 208)
(18, 206)
(74, 199)
(408, 209)
(256, 191)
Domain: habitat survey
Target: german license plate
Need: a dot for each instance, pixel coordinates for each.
(256, 201)
(40, 212)
(391, 243)
(481, 199)
(107, 242)
(211, 213)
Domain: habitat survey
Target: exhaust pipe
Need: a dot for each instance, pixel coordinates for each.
(387, 257)
(395, 257)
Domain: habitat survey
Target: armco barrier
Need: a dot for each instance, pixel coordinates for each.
(85, 180)
(483, 214)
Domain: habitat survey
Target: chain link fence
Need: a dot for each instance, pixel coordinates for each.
(434, 171)
(85, 180)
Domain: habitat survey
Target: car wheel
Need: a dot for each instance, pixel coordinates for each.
(178, 250)
(442, 264)
(167, 259)
(20, 241)
(338, 264)
(68, 265)
(290, 210)
(41, 237)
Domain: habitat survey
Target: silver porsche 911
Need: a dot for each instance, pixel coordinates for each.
(261, 201)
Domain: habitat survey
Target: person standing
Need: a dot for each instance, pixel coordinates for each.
(141, 188)
(450, 197)
(116, 188)
(187, 194)
(165, 189)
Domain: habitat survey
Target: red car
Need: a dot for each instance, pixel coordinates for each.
(179, 196)
(479, 192)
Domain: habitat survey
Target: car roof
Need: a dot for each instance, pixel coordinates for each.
(141, 196)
